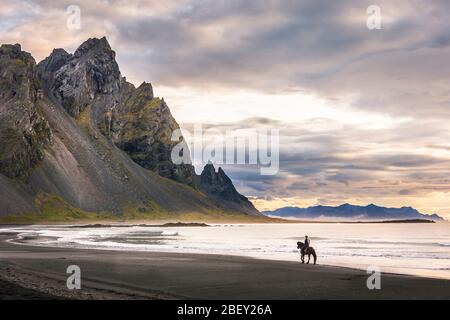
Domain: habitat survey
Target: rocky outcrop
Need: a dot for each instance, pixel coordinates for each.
(143, 127)
(23, 129)
(219, 186)
(47, 67)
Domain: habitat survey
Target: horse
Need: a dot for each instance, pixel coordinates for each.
(307, 251)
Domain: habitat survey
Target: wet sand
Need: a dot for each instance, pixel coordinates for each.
(28, 272)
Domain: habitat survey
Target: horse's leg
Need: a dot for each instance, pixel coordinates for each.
(303, 258)
(309, 257)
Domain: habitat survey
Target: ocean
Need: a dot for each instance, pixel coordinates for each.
(414, 249)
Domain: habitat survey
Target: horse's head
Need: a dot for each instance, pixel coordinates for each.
(299, 245)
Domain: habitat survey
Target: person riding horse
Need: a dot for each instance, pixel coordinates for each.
(306, 244)
(305, 249)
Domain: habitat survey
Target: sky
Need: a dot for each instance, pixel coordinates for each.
(362, 113)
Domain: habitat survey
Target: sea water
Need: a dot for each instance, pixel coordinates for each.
(416, 249)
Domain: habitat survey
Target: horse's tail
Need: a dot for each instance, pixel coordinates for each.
(314, 255)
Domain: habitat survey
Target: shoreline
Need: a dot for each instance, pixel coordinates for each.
(385, 270)
(330, 261)
(180, 221)
(157, 275)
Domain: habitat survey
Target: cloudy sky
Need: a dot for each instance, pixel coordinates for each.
(363, 114)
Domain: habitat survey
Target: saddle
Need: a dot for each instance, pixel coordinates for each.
(303, 249)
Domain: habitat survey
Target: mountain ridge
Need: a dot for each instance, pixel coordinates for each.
(352, 212)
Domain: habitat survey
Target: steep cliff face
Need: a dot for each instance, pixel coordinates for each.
(143, 127)
(23, 129)
(78, 137)
(132, 118)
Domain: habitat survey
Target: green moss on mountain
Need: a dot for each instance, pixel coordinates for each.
(53, 208)
(23, 130)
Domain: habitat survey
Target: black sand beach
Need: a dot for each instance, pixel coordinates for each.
(40, 273)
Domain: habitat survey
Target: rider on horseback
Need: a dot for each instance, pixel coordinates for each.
(306, 250)
(306, 245)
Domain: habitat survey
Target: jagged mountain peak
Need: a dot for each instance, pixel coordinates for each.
(14, 51)
(77, 80)
(59, 52)
(215, 178)
(94, 44)
(219, 185)
(147, 88)
(47, 67)
(13, 48)
(209, 168)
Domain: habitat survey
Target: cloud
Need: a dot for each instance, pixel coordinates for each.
(272, 46)
(331, 164)
(384, 131)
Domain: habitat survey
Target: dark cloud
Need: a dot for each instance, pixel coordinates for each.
(318, 46)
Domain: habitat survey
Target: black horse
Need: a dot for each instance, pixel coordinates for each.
(306, 251)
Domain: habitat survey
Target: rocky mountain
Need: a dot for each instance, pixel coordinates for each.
(78, 139)
(351, 212)
(219, 186)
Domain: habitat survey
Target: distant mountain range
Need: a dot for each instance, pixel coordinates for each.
(352, 212)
